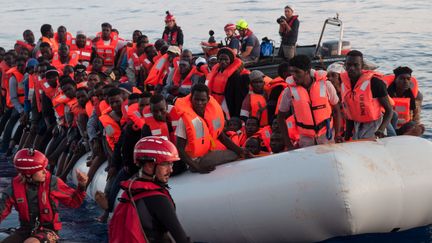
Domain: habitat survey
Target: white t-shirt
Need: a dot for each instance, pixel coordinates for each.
(181, 129)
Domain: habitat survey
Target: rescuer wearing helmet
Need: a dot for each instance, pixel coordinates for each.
(250, 45)
(35, 194)
(231, 39)
(151, 214)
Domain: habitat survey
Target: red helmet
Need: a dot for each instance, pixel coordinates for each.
(29, 161)
(169, 17)
(155, 149)
(230, 27)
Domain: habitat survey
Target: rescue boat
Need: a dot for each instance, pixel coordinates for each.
(306, 195)
(322, 54)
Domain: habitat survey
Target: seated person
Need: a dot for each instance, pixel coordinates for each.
(201, 123)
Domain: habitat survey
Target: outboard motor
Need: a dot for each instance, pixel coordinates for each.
(211, 47)
(330, 48)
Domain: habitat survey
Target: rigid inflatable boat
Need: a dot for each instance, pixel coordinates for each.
(308, 194)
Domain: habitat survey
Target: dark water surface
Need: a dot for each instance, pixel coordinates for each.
(390, 33)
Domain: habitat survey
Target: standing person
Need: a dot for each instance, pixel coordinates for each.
(231, 40)
(250, 45)
(173, 34)
(150, 215)
(364, 95)
(83, 47)
(313, 101)
(288, 30)
(48, 37)
(35, 194)
(62, 36)
(107, 45)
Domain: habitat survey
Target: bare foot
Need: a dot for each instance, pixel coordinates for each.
(101, 200)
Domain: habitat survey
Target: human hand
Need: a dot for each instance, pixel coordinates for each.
(82, 178)
(379, 134)
(247, 154)
(112, 172)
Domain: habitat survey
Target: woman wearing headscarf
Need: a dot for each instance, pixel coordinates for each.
(227, 84)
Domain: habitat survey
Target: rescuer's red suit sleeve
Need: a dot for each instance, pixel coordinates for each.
(72, 198)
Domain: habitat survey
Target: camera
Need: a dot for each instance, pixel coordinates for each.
(280, 19)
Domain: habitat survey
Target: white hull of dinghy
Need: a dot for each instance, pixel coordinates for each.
(309, 194)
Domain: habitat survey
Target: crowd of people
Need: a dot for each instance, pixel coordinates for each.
(120, 100)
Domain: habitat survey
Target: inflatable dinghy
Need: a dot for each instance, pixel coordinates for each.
(308, 194)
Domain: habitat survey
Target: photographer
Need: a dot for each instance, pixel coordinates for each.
(288, 30)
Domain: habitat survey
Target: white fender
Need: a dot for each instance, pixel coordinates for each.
(310, 194)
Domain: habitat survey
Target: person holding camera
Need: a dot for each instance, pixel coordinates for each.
(288, 30)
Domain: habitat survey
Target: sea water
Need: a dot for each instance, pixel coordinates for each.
(388, 32)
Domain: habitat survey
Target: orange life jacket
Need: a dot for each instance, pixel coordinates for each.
(159, 70)
(107, 52)
(74, 108)
(48, 215)
(217, 80)
(257, 101)
(141, 61)
(159, 128)
(53, 43)
(82, 84)
(49, 91)
(135, 116)
(278, 81)
(130, 50)
(312, 109)
(89, 108)
(5, 77)
(187, 81)
(103, 106)
(358, 102)
(291, 124)
(293, 132)
(35, 90)
(402, 108)
(202, 133)
(56, 62)
(69, 38)
(401, 105)
(25, 45)
(112, 130)
(20, 87)
(264, 135)
(59, 102)
(84, 54)
(204, 69)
